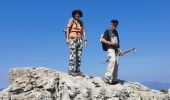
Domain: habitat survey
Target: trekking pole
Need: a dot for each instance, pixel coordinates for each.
(127, 51)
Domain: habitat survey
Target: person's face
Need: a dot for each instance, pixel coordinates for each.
(77, 15)
(114, 25)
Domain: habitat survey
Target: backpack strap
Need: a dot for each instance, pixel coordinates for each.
(65, 30)
(73, 21)
(109, 33)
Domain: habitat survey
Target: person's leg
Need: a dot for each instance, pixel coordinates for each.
(111, 66)
(72, 55)
(115, 71)
(79, 53)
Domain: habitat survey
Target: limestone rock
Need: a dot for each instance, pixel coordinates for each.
(169, 92)
(47, 84)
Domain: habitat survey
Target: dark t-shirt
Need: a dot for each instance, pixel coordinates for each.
(111, 33)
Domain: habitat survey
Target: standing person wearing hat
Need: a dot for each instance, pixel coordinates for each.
(111, 41)
(74, 36)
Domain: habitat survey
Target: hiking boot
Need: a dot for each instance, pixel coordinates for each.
(79, 73)
(114, 82)
(71, 72)
(106, 80)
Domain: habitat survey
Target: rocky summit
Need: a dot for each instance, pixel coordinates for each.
(47, 84)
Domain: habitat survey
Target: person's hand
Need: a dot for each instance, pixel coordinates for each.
(85, 44)
(121, 53)
(112, 44)
(68, 41)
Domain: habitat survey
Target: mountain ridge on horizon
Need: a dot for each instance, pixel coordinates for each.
(157, 84)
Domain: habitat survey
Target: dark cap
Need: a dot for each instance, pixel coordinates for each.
(115, 21)
(77, 11)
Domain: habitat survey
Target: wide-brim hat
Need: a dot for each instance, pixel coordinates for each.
(77, 11)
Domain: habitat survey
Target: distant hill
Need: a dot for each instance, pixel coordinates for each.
(157, 85)
(1, 89)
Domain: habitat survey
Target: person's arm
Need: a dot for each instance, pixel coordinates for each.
(85, 39)
(84, 35)
(103, 40)
(121, 52)
(68, 28)
(104, 37)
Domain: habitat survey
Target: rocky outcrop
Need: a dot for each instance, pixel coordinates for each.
(48, 84)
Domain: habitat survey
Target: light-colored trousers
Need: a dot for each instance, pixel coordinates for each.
(112, 69)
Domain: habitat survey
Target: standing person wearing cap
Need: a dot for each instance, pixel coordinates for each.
(74, 35)
(111, 41)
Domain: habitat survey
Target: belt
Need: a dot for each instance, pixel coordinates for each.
(75, 37)
(75, 31)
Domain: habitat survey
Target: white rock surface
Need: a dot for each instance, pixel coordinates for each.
(47, 84)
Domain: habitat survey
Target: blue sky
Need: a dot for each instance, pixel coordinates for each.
(31, 36)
